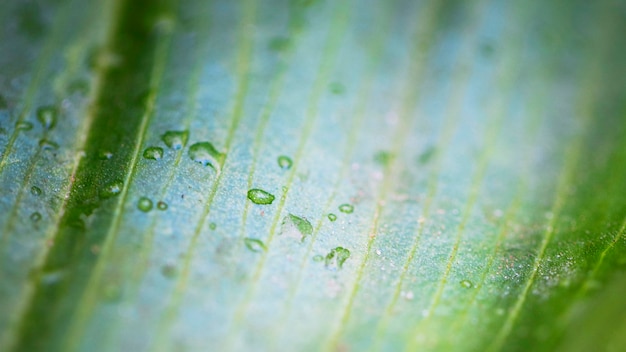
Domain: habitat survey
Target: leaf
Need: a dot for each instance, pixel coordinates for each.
(454, 171)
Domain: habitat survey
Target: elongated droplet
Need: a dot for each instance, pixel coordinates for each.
(467, 284)
(161, 205)
(175, 139)
(332, 217)
(259, 196)
(47, 116)
(36, 191)
(153, 153)
(346, 208)
(144, 204)
(206, 154)
(46, 144)
(24, 126)
(112, 189)
(35, 216)
(254, 244)
(337, 256)
(284, 162)
(302, 225)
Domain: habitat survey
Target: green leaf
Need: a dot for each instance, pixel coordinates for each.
(312, 175)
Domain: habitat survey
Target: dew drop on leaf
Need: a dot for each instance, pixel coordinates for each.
(47, 116)
(153, 153)
(169, 271)
(35, 216)
(206, 154)
(318, 258)
(144, 204)
(212, 226)
(466, 284)
(253, 244)
(36, 191)
(175, 139)
(337, 88)
(48, 145)
(105, 155)
(284, 162)
(303, 225)
(346, 208)
(332, 217)
(259, 196)
(337, 256)
(112, 189)
(161, 205)
(24, 126)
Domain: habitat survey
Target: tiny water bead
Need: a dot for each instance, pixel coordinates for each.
(35, 216)
(112, 189)
(346, 208)
(36, 191)
(338, 255)
(212, 226)
(105, 155)
(337, 88)
(153, 153)
(332, 217)
(466, 284)
(46, 144)
(144, 204)
(301, 224)
(253, 244)
(24, 126)
(259, 196)
(161, 205)
(206, 154)
(47, 116)
(284, 162)
(169, 271)
(175, 139)
(383, 158)
(318, 258)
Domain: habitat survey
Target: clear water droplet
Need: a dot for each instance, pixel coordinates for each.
(337, 256)
(35, 216)
(48, 145)
(105, 155)
(47, 116)
(284, 162)
(206, 154)
(318, 258)
(346, 208)
(301, 224)
(169, 271)
(259, 196)
(112, 189)
(24, 126)
(466, 284)
(153, 153)
(212, 226)
(255, 245)
(332, 217)
(144, 204)
(175, 139)
(36, 191)
(161, 205)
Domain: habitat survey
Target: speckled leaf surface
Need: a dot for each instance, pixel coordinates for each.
(190, 175)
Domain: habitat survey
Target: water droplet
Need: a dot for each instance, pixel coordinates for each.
(36, 191)
(47, 116)
(427, 155)
(383, 158)
(48, 145)
(212, 226)
(153, 153)
(169, 271)
(346, 208)
(105, 155)
(301, 224)
(254, 244)
(259, 196)
(337, 88)
(175, 139)
(206, 154)
(467, 284)
(161, 205)
(24, 126)
(337, 256)
(284, 162)
(318, 258)
(144, 204)
(332, 217)
(35, 216)
(112, 189)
